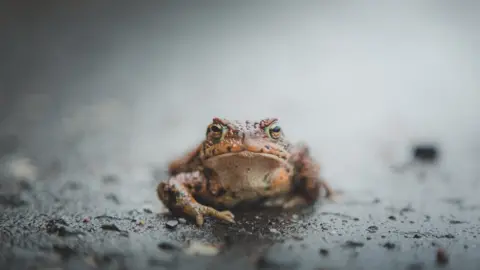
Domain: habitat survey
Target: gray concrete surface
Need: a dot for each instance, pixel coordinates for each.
(97, 98)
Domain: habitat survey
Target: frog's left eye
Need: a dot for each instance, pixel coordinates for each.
(274, 131)
(216, 131)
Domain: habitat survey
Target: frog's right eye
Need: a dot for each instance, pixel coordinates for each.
(216, 128)
(216, 131)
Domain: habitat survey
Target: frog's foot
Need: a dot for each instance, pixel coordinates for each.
(306, 179)
(295, 201)
(177, 195)
(331, 194)
(209, 211)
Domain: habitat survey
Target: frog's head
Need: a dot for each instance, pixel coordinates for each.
(262, 138)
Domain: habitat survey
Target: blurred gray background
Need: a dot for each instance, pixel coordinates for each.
(117, 87)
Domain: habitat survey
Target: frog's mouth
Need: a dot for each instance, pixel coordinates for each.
(245, 154)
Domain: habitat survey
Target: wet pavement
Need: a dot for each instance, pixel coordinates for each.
(82, 152)
(69, 224)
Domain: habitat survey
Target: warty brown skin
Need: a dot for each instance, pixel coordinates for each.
(238, 162)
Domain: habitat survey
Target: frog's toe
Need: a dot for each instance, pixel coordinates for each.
(334, 197)
(297, 201)
(226, 215)
(199, 220)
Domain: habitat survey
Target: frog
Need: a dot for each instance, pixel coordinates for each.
(241, 162)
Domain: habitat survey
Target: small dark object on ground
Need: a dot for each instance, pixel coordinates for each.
(171, 224)
(406, 209)
(324, 251)
(425, 152)
(110, 227)
(389, 245)
(167, 246)
(353, 244)
(372, 229)
(442, 257)
(448, 236)
(392, 218)
(457, 222)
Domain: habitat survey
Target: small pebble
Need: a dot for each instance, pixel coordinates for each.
(456, 222)
(147, 210)
(86, 220)
(372, 229)
(272, 230)
(425, 152)
(353, 244)
(323, 251)
(197, 248)
(110, 227)
(182, 221)
(389, 245)
(449, 236)
(141, 222)
(167, 246)
(442, 257)
(392, 218)
(295, 216)
(171, 224)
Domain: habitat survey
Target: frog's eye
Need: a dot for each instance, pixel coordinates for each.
(216, 131)
(274, 131)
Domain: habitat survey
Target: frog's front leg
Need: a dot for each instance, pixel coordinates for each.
(306, 181)
(177, 194)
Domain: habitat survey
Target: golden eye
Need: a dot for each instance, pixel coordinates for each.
(216, 131)
(274, 131)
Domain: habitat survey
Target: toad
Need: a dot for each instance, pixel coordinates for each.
(241, 162)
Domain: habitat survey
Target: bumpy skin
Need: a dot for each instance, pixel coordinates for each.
(241, 162)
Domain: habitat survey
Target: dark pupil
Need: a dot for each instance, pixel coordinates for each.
(215, 129)
(275, 129)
